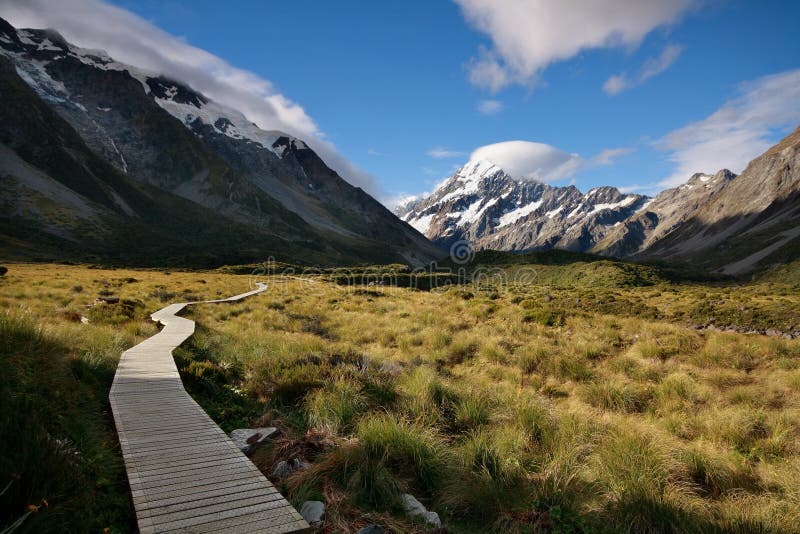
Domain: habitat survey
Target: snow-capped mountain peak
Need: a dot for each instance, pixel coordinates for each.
(189, 106)
(161, 132)
(491, 209)
(176, 98)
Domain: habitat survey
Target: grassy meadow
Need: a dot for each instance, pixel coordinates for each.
(578, 398)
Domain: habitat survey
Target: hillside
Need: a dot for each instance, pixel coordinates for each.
(106, 132)
(668, 210)
(752, 223)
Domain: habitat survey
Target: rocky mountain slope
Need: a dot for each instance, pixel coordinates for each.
(752, 222)
(484, 205)
(721, 222)
(264, 193)
(666, 212)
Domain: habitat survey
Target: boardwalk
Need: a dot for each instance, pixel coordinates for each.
(185, 473)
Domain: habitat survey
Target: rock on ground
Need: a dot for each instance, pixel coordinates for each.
(432, 518)
(414, 508)
(313, 512)
(283, 468)
(248, 438)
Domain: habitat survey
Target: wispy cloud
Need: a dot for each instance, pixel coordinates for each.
(649, 189)
(529, 35)
(740, 130)
(490, 107)
(373, 152)
(401, 200)
(441, 152)
(609, 156)
(652, 67)
(130, 39)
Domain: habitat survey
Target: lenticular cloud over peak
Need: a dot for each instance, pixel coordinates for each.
(530, 160)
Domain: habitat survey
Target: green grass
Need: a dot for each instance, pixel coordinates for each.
(57, 442)
(334, 407)
(616, 416)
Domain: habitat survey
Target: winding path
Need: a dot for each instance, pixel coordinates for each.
(185, 473)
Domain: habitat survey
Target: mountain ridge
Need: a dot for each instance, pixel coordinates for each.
(162, 133)
(752, 223)
(486, 206)
(707, 221)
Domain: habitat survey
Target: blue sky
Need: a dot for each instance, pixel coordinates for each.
(406, 91)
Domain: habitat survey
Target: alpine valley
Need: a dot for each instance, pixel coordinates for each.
(508, 354)
(97, 156)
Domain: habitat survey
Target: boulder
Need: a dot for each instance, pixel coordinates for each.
(297, 463)
(371, 529)
(284, 468)
(411, 505)
(432, 518)
(248, 438)
(313, 512)
(281, 469)
(414, 508)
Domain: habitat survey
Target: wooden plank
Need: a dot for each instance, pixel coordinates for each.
(263, 522)
(229, 513)
(187, 493)
(184, 472)
(168, 499)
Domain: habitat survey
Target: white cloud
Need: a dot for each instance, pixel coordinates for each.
(737, 132)
(441, 152)
(130, 39)
(652, 67)
(649, 189)
(529, 160)
(529, 35)
(402, 200)
(615, 84)
(490, 107)
(609, 156)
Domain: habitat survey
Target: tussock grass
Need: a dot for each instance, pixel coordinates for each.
(334, 407)
(488, 478)
(645, 487)
(627, 398)
(471, 411)
(417, 455)
(597, 410)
